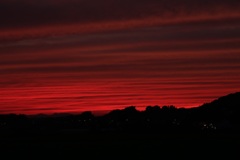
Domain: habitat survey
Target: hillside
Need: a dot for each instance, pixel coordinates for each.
(155, 132)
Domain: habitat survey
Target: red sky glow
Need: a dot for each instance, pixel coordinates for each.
(99, 55)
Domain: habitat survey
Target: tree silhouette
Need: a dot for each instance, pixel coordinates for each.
(220, 114)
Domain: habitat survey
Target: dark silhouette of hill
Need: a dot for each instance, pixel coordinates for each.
(228, 102)
(158, 131)
(222, 113)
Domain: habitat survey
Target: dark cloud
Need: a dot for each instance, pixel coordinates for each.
(24, 13)
(72, 55)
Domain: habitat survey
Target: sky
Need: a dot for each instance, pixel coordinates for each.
(69, 56)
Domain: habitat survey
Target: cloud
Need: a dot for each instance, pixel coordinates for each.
(158, 52)
(34, 19)
(74, 55)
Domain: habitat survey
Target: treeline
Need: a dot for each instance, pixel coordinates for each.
(153, 118)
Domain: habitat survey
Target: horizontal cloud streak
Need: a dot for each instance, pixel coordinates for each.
(27, 19)
(52, 11)
(105, 96)
(72, 56)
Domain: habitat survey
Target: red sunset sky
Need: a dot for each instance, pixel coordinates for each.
(76, 55)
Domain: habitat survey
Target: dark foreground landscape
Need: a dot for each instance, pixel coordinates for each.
(208, 131)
